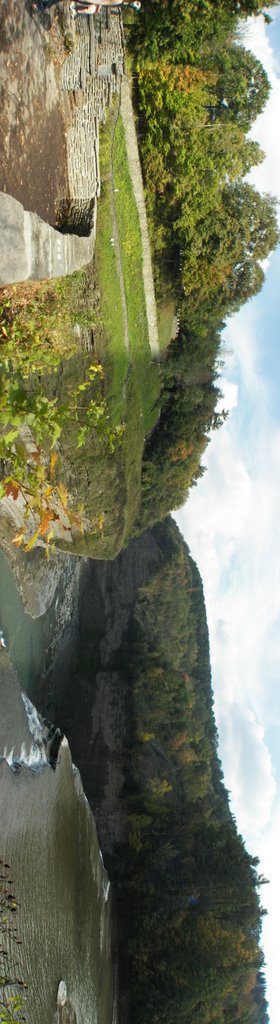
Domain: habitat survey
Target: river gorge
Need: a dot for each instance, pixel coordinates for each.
(64, 664)
(49, 840)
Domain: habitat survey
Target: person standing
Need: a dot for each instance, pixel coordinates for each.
(87, 7)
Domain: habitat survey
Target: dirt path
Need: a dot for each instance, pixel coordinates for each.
(125, 108)
(127, 115)
(117, 238)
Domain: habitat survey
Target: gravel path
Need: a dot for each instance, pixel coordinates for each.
(117, 238)
(137, 181)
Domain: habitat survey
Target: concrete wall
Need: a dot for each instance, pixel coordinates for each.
(32, 250)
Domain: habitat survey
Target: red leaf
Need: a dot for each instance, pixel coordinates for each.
(12, 489)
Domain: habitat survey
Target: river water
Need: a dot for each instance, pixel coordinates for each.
(48, 837)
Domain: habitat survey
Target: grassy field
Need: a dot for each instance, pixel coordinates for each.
(133, 379)
(114, 353)
(166, 314)
(146, 371)
(139, 358)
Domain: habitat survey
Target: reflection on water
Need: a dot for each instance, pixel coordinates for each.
(32, 642)
(25, 638)
(48, 837)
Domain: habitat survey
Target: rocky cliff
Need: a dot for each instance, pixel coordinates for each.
(86, 689)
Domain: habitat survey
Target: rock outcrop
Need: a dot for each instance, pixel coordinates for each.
(87, 694)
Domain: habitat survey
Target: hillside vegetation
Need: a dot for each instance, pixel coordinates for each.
(189, 891)
(197, 92)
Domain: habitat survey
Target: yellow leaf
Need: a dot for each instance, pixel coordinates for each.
(47, 518)
(63, 495)
(53, 461)
(75, 520)
(32, 541)
(18, 539)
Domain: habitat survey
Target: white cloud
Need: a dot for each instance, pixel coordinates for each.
(240, 336)
(255, 37)
(229, 399)
(248, 768)
(232, 524)
(265, 130)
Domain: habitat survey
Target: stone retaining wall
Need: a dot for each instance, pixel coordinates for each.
(91, 76)
(30, 248)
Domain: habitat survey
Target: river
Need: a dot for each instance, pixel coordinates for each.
(48, 838)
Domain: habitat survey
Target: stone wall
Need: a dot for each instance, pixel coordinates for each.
(91, 75)
(32, 250)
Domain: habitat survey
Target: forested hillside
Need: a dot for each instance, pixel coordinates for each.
(189, 891)
(189, 395)
(197, 92)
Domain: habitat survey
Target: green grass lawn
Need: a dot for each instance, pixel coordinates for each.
(133, 379)
(114, 353)
(166, 313)
(146, 371)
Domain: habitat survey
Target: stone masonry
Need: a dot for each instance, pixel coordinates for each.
(91, 75)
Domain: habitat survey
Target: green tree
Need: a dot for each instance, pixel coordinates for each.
(189, 891)
(242, 86)
(237, 238)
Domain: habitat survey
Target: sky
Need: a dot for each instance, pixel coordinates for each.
(232, 525)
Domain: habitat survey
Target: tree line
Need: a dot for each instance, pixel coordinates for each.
(197, 92)
(188, 889)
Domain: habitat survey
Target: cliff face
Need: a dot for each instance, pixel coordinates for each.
(14, 729)
(40, 582)
(88, 605)
(86, 689)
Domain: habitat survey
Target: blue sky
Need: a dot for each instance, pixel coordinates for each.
(232, 524)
